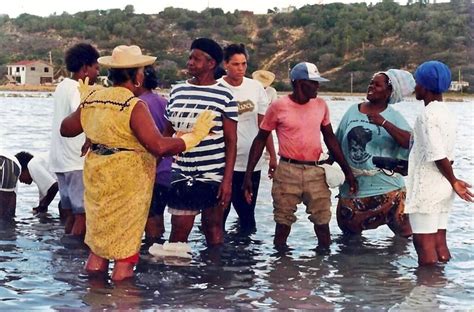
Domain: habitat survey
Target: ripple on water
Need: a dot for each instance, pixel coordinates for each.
(374, 271)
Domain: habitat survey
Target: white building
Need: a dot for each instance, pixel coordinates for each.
(30, 73)
(458, 85)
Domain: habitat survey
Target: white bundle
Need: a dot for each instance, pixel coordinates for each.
(181, 250)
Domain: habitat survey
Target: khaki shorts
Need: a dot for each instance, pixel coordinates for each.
(294, 184)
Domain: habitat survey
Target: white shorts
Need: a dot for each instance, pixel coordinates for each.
(71, 190)
(428, 223)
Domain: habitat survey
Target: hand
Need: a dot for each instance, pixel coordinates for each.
(224, 194)
(353, 185)
(247, 189)
(85, 147)
(203, 125)
(376, 119)
(462, 189)
(85, 89)
(272, 164)
(40, 209)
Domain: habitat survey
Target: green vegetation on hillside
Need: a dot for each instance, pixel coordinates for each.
(342, 39)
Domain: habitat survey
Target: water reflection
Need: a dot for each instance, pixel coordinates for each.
(102, 294)
(38, 271)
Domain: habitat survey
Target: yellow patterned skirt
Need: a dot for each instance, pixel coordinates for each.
(118, 191)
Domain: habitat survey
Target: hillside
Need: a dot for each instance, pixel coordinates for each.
(342, 39)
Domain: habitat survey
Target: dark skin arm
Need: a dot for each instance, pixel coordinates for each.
(143, 127)
(402, 137)
(48, 198)
(336, 152)
(272, 164)
(256, 151)
(71, 125)
(460, 187)
(149, 136)
(230, 136)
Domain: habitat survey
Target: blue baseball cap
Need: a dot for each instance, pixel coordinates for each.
(434, 76)
(306, 71)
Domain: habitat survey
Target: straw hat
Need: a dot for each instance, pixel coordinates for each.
(126, 57)
(264, 76)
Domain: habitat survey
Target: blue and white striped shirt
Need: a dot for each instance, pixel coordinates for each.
(206, 161)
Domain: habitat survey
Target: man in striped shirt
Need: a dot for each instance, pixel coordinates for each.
(202, 177)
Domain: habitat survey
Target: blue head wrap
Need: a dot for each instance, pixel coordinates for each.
(433, 76)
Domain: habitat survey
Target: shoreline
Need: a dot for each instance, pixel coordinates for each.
(46, 91)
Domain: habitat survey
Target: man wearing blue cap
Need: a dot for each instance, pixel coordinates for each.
(299, 119)
(431, 183)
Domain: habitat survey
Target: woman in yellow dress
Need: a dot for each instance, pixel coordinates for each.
(119, 170)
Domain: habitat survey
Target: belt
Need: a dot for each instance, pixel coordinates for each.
(102, 149)
(302, 162)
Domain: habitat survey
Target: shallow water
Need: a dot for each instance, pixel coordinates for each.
(375, 271)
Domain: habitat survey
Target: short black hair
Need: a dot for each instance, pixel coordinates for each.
(121, 75)
(24, 158)
(151, 79)
(79, 55)
(234, 48)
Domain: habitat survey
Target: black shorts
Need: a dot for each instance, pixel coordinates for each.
(193, 195)
(159, 200)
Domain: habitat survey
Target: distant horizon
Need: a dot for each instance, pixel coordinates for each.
(51, 7)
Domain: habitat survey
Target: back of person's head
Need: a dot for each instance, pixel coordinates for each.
(150, 81)
(434, 76)
(24, 158)
(233, 49)
(79, 55)
(122, 75)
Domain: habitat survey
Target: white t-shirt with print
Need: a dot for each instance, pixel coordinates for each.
(41, 175)
(65, 153)
(434, 135)
(252, 101)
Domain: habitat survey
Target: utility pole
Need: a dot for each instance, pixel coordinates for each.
(50, 58)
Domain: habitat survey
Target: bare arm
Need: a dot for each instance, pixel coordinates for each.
(230, 136)
(402, 137)
(71, 125)
(460, 187)
(336, 152)
(271, 150)
(256, 151)
(149, 136)
(48, 198)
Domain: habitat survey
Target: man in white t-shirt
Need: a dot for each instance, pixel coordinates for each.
(65, 155)
(252, 105)
(36, 169)
(9, 173)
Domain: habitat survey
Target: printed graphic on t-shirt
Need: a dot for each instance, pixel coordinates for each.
(245, 106)
(357, 140)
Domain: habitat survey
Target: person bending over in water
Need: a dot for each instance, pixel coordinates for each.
(35, 169)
